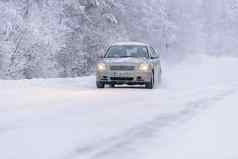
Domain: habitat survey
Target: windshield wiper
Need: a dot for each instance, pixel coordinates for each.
(126, 56)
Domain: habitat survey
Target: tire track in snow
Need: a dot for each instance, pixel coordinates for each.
(121, 143)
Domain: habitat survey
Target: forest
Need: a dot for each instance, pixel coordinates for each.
(65, 38)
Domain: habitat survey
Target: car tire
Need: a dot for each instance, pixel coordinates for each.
(100, 85)
(150, 85)
(112, 85)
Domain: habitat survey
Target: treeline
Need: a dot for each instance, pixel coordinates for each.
(64, 38)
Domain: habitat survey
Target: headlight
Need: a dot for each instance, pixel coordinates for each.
(144, 67)
(101, 67)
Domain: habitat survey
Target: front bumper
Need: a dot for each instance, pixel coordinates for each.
(124, 77)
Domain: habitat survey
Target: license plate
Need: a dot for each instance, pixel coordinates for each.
(120, 74)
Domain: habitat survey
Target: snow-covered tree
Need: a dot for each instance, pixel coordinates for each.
(204, 26)
(64, 38)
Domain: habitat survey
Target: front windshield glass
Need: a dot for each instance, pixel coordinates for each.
(127, 51)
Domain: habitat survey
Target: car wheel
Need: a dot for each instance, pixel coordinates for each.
(150, 85)
(112, 85)
(100, 85)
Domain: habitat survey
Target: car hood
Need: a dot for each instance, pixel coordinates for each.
(124, 61)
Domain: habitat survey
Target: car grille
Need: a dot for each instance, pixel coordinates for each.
(122, 68)
(122, 78)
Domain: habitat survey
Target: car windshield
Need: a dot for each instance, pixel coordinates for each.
(127, 51)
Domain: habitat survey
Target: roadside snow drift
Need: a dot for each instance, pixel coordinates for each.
(192, 114)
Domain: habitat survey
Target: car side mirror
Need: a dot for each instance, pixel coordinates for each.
(154, 58)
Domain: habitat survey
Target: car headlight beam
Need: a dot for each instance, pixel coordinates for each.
(144, 67)
(101, 67)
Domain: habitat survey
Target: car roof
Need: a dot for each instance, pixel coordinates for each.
(129, 43)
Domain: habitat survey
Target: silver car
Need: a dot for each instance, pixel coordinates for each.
(129, 63)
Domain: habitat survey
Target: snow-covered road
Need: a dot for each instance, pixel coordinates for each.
(192, 114)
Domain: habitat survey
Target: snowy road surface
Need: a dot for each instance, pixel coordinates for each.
(193, 114)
